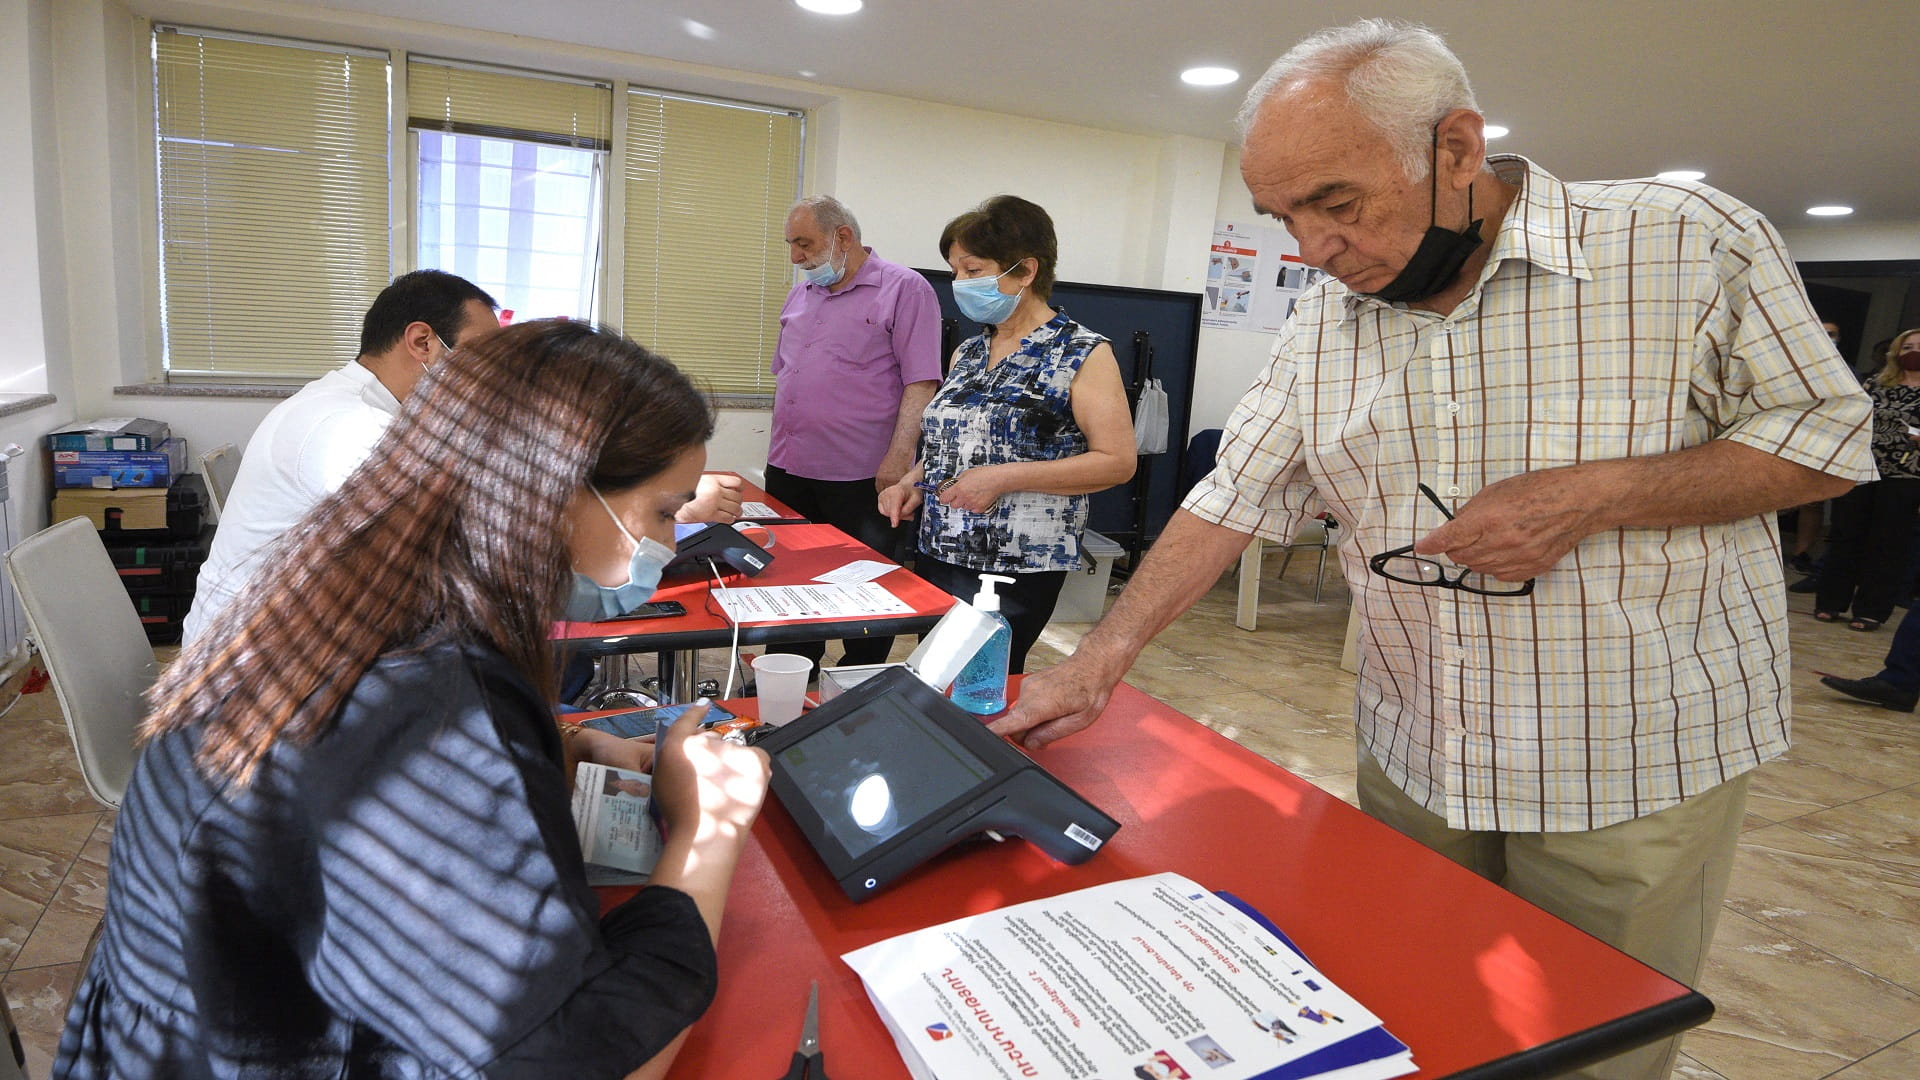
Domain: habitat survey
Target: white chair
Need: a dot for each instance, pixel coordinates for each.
(220, 465)
(1316, 535)
(90, 639)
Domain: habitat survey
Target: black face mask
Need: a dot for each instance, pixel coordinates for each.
(1442, 252)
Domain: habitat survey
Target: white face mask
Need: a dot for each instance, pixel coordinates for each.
(825, 274)
(591, 600)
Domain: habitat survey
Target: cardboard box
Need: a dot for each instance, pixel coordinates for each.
(114, 433)
(110, 469)
(141, 509)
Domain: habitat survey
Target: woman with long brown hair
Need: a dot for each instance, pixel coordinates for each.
(347, 848)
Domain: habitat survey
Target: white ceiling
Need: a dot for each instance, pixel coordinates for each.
(1783, 103)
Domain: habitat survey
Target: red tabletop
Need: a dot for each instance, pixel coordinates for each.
(1475, 980)
(800, 553)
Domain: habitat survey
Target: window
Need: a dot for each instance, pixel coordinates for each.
(277, 196)
(707, 188)
(273, 182)
(508, 178)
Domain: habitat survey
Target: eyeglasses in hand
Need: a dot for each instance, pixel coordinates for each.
(1403, 566)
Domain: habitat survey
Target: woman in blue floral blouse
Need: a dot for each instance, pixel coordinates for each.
(1031, 420)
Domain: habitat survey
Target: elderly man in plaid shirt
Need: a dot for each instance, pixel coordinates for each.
(1558, 418)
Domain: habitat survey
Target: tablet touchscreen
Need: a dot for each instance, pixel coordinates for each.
(879, 771)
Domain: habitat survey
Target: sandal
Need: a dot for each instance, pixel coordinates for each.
(1826, 616)
(1865, 626)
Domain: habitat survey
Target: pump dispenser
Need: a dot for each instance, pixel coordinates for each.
(981, 688)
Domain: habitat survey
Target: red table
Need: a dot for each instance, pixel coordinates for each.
(800, 553)
(1478, 982)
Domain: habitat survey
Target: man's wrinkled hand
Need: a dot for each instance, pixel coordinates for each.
(1517, 528)
(1054, 704)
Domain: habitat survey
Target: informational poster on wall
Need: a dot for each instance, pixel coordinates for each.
(1254, 276)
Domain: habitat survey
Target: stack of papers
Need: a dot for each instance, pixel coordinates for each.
(1154, 977)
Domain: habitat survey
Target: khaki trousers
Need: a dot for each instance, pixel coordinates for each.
(1650, 887)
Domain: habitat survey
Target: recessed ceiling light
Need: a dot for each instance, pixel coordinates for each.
(695, 28)
(1682, 174)
(1209, 76)
(1496, 131)
(831, 7)
(1829, 211)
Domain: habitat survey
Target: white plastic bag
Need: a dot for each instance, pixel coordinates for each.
(1150, 419)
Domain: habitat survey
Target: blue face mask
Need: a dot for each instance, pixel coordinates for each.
(826, 273)
(981, 300)
(591, 600)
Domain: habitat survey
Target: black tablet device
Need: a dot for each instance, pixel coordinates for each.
(695, 546)
(891, 773)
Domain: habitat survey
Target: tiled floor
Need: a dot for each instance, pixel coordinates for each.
(1815, 971)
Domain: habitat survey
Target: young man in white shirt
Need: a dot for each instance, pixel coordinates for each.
(310, 442)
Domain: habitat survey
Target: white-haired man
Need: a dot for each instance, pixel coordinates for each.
(857, 361)
(1558, 418)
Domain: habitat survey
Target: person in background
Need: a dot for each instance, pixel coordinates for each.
(1031, 420)
(1897, 686)
(308, 444)
(857, 360)
(1869, 558)
(1566, 686)
(347, 848)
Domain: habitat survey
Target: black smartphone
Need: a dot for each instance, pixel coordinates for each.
(637, 722)
(653, 609)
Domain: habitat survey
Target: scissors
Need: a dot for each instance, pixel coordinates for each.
(806, 1057)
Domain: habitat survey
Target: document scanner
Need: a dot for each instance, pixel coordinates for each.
(695, 546)
(891, 773)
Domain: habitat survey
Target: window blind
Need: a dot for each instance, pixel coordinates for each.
(467, 99)
(273, 202)
(708, 185)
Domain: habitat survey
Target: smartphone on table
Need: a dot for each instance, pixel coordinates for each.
(634, 723)
(652, 609)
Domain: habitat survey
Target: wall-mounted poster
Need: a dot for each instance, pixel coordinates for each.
(1254, 275)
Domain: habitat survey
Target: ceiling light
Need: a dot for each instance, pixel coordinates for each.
(805, 74)
(1829, 211)
(1682, 174)
(1496, 131)
(831, 7)
(695, 28)
(1209, 76)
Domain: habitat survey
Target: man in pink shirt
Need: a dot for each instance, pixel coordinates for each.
(857, 361)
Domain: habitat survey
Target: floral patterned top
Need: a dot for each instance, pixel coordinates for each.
(1896, 408)
(1018, 410)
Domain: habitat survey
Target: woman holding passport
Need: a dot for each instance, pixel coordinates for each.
(347, 848)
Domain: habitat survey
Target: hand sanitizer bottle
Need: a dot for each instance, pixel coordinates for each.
(981, 688)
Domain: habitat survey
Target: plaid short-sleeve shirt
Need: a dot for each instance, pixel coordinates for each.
(1614, 319)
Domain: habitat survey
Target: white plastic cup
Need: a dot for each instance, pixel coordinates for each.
(781, 682)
